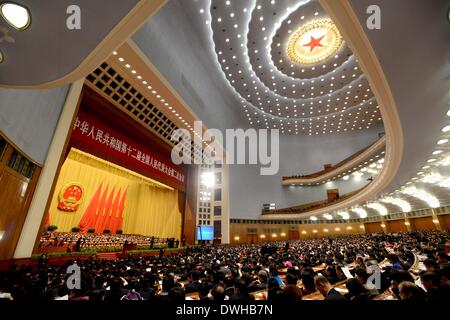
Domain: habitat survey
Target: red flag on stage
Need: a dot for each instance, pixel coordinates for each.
(88, 218)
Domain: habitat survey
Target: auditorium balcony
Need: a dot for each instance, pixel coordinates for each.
(367, 157)
(312, 206)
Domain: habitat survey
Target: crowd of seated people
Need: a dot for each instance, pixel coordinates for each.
(76, 241)
(295, 271)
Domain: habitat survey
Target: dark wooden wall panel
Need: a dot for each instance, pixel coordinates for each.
(424, 223)
(396, 226)
(16, 192)
(444, 220)
(373, 227)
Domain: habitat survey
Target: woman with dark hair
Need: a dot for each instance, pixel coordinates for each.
(272, 283)
(275, 294)
(274, 274)
(308, 283)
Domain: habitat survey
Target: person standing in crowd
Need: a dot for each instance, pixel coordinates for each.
(152, 243)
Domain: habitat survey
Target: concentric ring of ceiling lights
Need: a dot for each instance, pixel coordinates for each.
(250, 39)
(314, 42)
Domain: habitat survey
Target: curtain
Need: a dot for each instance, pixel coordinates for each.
(115, 198)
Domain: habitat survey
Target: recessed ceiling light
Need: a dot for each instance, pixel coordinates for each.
(446, 129)
(443, 141)
(1, 57)
(16, 15)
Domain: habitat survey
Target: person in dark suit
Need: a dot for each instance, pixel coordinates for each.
(152, 243)
(194, 284)
(259, 284)
(357, 291)
(326, 289)
(292, 293)
(241, 292)
(203, 292)
(78, 245)
(229, 286)
(431, 282)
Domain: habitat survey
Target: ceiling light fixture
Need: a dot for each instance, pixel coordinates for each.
(379, 208)
(16, 15)
(431, 200)
(403, 204)
(361, 212)
(302, 52)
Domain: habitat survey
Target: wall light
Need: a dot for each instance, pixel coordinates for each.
(283, 234)
(236, 238)
(2, 232)
(263, 236)
(16, 15)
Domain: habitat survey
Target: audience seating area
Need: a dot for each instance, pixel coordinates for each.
(414, 266)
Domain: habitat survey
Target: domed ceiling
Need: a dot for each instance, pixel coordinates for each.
(290, 67)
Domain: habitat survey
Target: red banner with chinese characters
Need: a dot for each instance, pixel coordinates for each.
(92, 135)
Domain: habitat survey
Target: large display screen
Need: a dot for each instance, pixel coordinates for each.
(205, 233)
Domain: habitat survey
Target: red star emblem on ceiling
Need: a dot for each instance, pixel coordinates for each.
(314, 43)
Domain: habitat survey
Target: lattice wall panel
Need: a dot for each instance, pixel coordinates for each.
(111, 85)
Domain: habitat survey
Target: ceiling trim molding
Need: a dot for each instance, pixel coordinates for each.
(348, 24)
(119, 34)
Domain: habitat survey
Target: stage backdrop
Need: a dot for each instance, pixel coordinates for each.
(92, 193)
